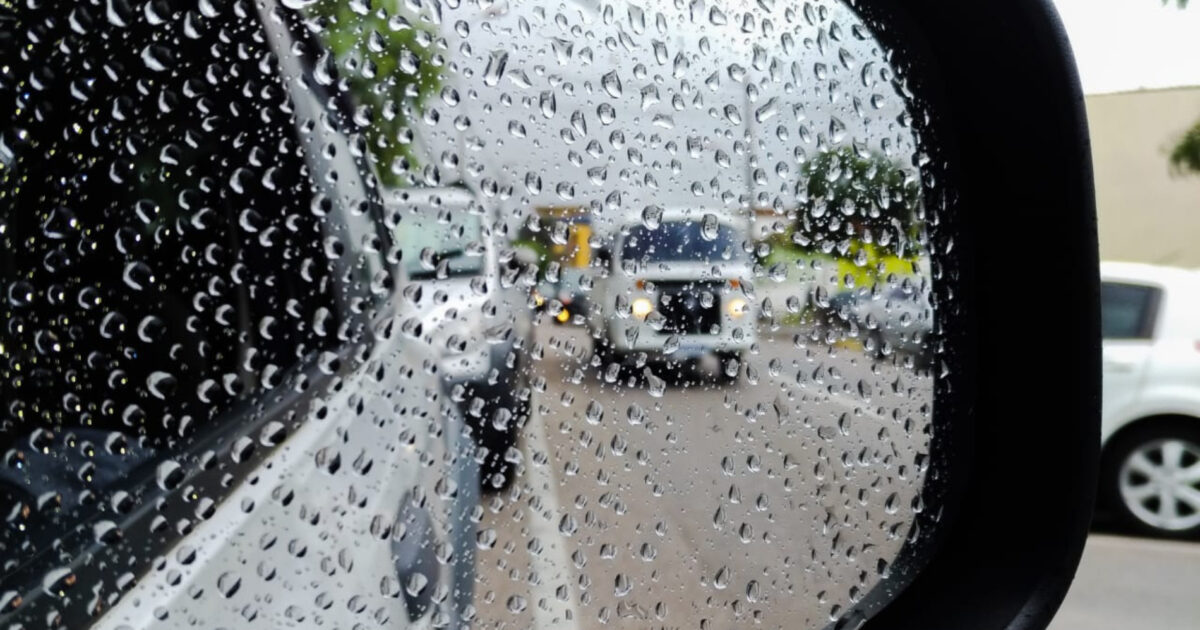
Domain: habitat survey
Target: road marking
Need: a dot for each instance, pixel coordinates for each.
(553, 564)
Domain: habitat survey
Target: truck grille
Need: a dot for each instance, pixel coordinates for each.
(680, 305)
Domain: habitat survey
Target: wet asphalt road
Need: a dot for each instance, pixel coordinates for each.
(1125, 582)
(776, 499)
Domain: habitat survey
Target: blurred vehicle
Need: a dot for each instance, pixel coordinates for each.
(675, 292)
(478, 324)
(562, 241)
(1150, 477)
(203, 382)
(895, 320)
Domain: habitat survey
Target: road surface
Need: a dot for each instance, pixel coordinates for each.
(688, 503)
(1126, 582)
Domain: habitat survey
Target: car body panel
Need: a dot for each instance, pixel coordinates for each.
(1159, 376)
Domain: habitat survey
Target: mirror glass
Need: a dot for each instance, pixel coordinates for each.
(350, 313)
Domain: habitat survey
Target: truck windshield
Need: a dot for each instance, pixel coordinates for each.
(679, 241)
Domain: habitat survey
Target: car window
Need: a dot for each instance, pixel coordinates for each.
(169, 316)
(1127, 311)
(257, 372)
(444, 245)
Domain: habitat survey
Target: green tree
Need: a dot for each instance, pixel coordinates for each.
(855, 198)
(388, 69)
(1185, 155)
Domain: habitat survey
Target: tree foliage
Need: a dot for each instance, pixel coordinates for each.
(387, 62)
(852, 197)
(1185, 155)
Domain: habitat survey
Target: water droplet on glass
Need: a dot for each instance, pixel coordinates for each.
(721, 579)
(497, 61)
(710, 227)
(611, 82)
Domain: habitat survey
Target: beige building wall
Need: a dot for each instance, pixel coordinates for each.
(1146, 213)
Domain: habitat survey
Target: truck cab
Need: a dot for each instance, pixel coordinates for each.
(674, 290)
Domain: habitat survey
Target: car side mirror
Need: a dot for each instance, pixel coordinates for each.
(192, 309)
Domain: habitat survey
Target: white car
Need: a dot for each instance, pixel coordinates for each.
(677, 292)
(237, 430)
(475, 319)
(1151, 402)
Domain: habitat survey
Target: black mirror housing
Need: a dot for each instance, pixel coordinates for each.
(1017, 433)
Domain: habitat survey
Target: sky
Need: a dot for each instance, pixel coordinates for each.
(1125, 45)
(629, 111)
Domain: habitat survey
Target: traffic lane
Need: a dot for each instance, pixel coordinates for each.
(776, 499)
(1125, 582)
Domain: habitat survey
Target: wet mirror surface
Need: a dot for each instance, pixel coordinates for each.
(493, 314)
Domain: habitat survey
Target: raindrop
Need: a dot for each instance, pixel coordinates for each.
(228, 583)
(161, 385)
(709, 227)
(594, 413)
(106, 532)
(611, 83)
(567, 526)
(721, 579)
(169, 475)
(548, 104)
(495, 68)
(622, 585)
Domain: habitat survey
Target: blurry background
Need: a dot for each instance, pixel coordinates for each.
(1139, 61)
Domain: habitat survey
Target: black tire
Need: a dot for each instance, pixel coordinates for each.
(603, 349)
(496, 473)
(874, 339)
(1122, 478)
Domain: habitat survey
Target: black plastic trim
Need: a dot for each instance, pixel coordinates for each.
(1016, 436)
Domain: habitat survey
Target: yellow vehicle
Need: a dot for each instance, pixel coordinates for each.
(565, 257)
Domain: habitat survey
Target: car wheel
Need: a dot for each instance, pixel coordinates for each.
(873, 342)
(496, 472)
(1152, 479)
(496, 427)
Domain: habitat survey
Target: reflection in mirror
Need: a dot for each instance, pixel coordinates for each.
(732, 355)
(490, 314)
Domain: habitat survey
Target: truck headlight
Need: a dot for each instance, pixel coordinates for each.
(737, 307)
(642, 307)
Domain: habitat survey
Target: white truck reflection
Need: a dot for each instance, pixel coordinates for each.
(675, 289)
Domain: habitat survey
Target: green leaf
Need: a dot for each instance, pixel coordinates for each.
(851, 196)
(387, 65)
